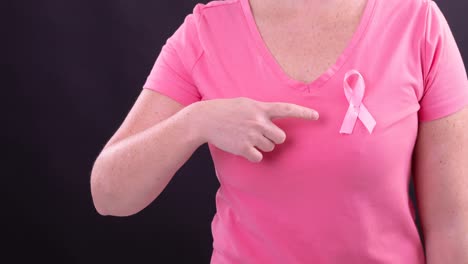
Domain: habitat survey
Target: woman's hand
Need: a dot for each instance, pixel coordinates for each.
(240, 125)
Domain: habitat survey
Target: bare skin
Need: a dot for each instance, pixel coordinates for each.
(317, 31)
(440, 170)
(159, 136)
(151, 145)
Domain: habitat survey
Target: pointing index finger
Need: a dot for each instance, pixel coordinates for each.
(280, 109)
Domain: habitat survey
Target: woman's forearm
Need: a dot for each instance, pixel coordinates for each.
(130, 174)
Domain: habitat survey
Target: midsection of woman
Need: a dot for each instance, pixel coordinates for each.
(327, 194)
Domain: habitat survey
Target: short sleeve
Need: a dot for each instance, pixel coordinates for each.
(171, 74)
(445, 79)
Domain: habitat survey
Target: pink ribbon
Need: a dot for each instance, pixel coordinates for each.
(356, 108)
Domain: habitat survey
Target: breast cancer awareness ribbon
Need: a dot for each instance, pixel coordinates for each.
(356, 108)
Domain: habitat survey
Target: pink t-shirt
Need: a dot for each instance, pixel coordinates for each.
(336, 191)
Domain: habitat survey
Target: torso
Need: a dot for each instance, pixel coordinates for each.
(320, 38)
(284, 209)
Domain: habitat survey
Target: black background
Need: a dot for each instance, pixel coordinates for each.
(71, 70)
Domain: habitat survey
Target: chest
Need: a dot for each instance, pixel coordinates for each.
(304, 48)
(314, 152)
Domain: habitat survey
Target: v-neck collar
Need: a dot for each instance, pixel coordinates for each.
(325, 76)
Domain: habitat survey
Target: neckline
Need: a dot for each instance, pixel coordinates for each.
(324, 76)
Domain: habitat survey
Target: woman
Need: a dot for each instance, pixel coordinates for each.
(250, 78)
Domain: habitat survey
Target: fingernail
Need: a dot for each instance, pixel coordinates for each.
(315, 115)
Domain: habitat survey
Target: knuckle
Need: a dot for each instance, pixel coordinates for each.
(265, 144)
(303, 114)
(258, 126)
(249, 155)
(288, 108)
(247, 100)
(241, 101)
(252, 136)
(270, 147)
(279, 136)
(244, 148)
(263, 106)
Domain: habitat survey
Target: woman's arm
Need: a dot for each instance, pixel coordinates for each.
(441, 185)
(137, 163)
(158, 137)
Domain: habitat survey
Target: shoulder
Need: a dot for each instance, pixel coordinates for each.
(408, 5)
(406, 18)
(205, 15)
(214, 7)
(211, 13)
(213, 20)
(220, 3)
(410, 9)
